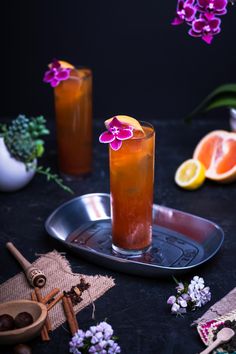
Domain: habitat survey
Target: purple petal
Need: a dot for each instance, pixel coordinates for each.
(203, 3)
(209, 15)
(115, 123)
(189, 2)
(180, 5)
(198, 25)
(177, 21)
(106, 137)
(54, 82)
(190, 13)
(63, 74)
(220, 4)
(215, 24)
(56, 64)
(124, 134)
(192, 33)
(49, 76)
(116, 144)
(207, 38)
(171, 300)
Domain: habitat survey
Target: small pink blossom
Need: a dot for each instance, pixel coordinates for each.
(117, 132)
(56, 74)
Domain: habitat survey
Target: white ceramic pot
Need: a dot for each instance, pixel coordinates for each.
(232, 120)
(13, 173)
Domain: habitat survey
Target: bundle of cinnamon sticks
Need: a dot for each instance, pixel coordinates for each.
(50, 301)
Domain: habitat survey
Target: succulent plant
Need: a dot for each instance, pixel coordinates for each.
(22, 139)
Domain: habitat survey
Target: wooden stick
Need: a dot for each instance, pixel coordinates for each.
(40, 299)
(69, 316)
(44, 332)
(50, 295)
(54, 302)
(72, 312)
(34, 275)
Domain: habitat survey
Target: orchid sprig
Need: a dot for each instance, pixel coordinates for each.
(189, 296)
(201, 16)
(117, 132)
(56, 73)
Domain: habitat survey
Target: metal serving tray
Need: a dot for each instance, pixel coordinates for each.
(181, 241)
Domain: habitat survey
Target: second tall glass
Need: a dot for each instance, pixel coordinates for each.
(131, 183)
(73, 106)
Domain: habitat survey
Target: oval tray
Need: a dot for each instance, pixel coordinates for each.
(181, 241)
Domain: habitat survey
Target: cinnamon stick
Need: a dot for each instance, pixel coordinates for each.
(40, 299)
(50, 295)
(54, 302)
(73, 313)
(73, 325)
(44, 332)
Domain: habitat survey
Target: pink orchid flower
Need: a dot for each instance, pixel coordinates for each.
(117, 131)
(56, 74)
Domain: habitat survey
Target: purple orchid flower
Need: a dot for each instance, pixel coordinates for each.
(212, 7)
(117, 131)
(205, 28)
(185, 12)
(56, 74)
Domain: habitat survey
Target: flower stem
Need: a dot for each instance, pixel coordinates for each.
(53, 177)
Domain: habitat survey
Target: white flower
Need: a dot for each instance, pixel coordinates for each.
(182, 302)
(180, 287)
(197, 283)
(171, 300)
(175, 308)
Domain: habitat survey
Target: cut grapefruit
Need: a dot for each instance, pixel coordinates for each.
(127, 120)
(217, 152)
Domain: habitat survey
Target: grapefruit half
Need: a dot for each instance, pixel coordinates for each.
(217, 152)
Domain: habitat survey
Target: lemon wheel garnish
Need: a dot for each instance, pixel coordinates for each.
(129, 121)
(190, 174)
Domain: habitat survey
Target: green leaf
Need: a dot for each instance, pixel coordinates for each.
(222, 96)
(222, 102)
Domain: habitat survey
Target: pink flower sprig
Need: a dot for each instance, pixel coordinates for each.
(56, 74)
(117, 132)
(189, 296)
(201, 16)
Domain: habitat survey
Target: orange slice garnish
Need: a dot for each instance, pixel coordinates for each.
(134, 123)
(64, 65)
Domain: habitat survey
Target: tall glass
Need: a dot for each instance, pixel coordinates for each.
(73, 106)
(131, 184)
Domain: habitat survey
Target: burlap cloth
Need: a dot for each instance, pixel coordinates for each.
(59, 275)
(224, 306)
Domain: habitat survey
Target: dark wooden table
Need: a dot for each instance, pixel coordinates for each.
(136, 306)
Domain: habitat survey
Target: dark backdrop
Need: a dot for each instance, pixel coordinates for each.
(142, 65)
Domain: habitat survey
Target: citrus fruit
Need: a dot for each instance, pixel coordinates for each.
(64, 64)
(217, 152)
(190, 174)
(138, 130)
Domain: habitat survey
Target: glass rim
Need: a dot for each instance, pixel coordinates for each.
(81, 67)
(149, 135)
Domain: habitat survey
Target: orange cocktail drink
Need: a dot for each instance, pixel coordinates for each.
(73, 106)
(131, 186)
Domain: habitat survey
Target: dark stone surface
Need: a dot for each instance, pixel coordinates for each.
(136, 306)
